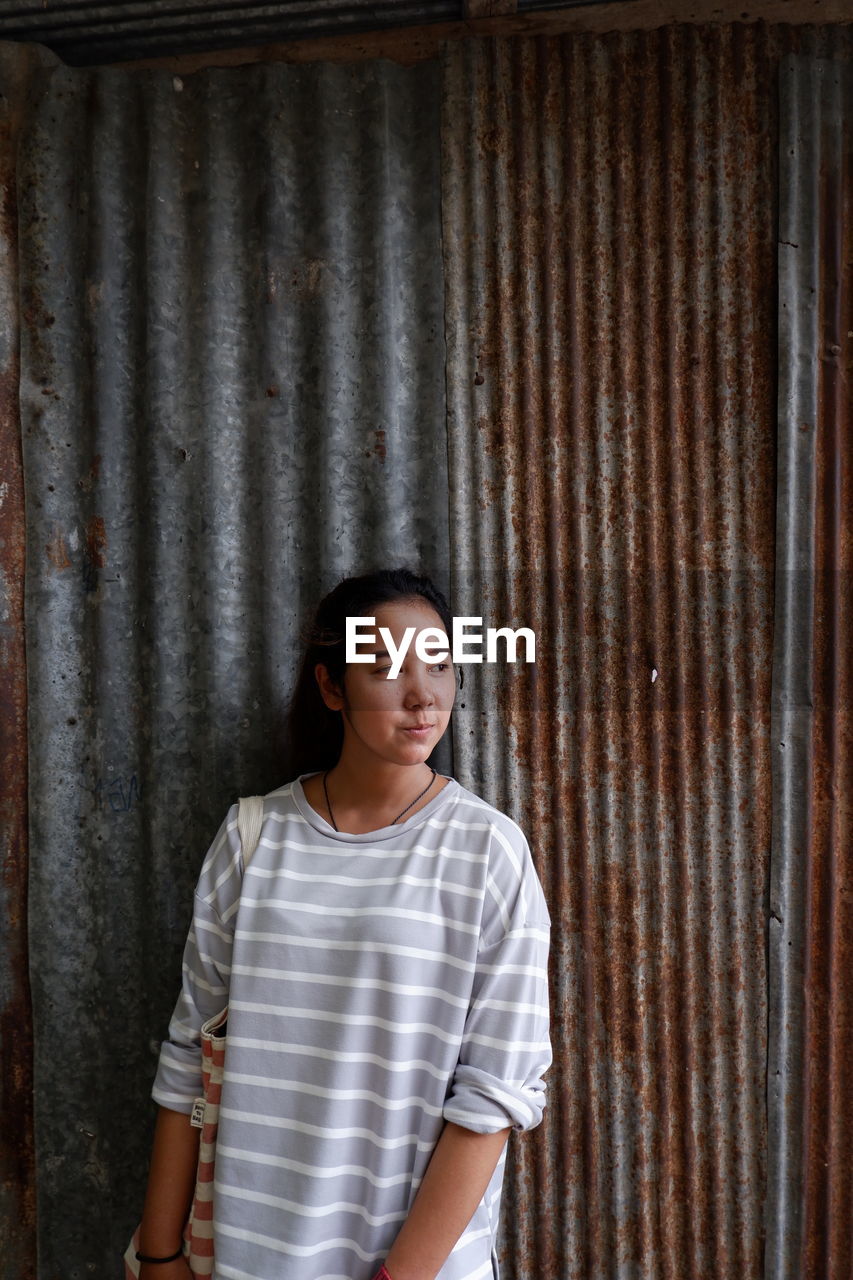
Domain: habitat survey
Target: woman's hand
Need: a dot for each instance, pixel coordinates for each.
(177, 1270)
(171, 1180)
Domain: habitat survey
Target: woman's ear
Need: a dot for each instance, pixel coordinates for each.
(329, 691)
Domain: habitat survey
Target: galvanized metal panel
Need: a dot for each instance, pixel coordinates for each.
(88, 34)
(810, 1197)
(609, 263)
(232, 392)
(17, 1157)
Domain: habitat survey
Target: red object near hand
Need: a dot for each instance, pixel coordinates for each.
(382, 1273)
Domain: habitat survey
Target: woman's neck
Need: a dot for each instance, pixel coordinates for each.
(365, 796)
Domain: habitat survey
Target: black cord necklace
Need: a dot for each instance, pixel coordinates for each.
(399, 815)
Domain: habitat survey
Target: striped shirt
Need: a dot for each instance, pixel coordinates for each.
(377, 986)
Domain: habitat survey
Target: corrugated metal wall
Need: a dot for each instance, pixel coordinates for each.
(609, 260)
(232, 394)
(87, 34)
(17, 1157)
(232, 390)
(810, 1203)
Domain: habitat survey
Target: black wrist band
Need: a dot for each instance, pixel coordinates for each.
(145, 1257)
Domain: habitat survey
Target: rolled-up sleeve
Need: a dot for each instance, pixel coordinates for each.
(506, 1049)
(206, 971)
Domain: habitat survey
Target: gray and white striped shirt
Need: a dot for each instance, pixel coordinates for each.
(377, 986)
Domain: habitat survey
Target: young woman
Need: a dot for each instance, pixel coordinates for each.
(384, 964)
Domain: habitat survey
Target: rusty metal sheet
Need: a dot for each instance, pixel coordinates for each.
(17, 1155)
(609, 264)
(810, 1194)
(232, 394)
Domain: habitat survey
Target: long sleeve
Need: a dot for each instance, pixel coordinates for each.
(505, 1048)
(206, 970)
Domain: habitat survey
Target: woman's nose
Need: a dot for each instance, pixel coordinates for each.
(419, 693)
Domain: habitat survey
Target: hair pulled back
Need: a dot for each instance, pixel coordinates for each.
(315, 733)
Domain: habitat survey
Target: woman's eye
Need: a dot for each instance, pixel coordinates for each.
(441, 666)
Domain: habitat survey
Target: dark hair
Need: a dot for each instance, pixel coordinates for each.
(315, 733)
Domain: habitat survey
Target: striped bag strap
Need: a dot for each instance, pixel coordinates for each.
(250, 816)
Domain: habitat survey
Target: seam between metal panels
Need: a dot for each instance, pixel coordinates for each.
(812, 1026)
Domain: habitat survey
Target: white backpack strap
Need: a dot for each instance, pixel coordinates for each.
(250, 816)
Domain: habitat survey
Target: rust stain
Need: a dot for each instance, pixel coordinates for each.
(303, 278)
(17, 1158)
(90, 479)
(96, 541)
(94, 546)
(307, 280)
(57, 551)
(379, 447)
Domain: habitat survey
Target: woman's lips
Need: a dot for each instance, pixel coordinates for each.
(418, 730)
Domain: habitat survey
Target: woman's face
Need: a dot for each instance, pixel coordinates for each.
(396, 720)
